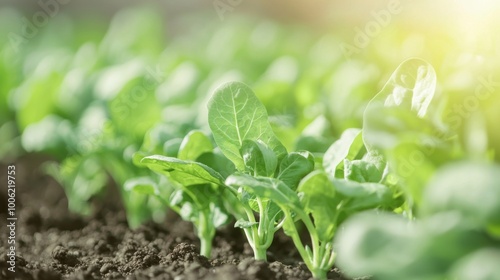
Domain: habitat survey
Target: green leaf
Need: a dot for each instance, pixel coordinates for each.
(234, 115)
(217, 161)
(388, 246)
(362, 171)
(49, 135)
(37, 97)
(244, 224)
(135, 110)
(193, 145)
(144, 185)
(184, 172)
(258, 158)
(399, 109)
(347, 147)
(294, 167)
(372, 243)
(413, 168)
(313, 144)
(318, 199)
(263, 187)
(82, 178)
(472, 189)
(156, 137)
(363, 195)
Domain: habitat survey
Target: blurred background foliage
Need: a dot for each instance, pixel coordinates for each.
(81, 65)
(92, 83)
(79, 81)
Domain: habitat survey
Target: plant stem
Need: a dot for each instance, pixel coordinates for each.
(292, 231)
(260, 253)
(206, 246)
(206, 233)
(318, 273)
(314, 236)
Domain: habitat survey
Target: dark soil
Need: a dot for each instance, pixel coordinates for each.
(55, 244)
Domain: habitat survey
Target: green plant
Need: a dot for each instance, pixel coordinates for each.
(269, 188)
(239, 124)
(450, 208)
(458, 226)
(191, 189)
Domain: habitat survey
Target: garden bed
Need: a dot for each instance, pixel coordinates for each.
(55, 244)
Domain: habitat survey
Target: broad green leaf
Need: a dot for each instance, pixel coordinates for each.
(234, 115)
(472, 189)
(350, 188)
(263, 187)
(49, 135)
(203, 194)
(258, 158)
(318, 199)
(135, 109)
(217, 161)
(184, 172)
(373, 243)
(399, 108)
(389, 247)
(413, 169)
(144, 185)
(37, 97)
(363, 195)
(155, 138)
(82, 178)
(193, 145)
(294, 167)
(362, 171)
(314, 144)
(316, 136)
(347, 147)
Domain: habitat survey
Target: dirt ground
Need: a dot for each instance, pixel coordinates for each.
(55, 244)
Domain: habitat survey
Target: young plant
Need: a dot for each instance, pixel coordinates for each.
(321, 203)
(241, 129)
(403, 124)
(288, 194)
(457, 229)
(292, 169)
(242, 132)
(457, 206)
(192, 189)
